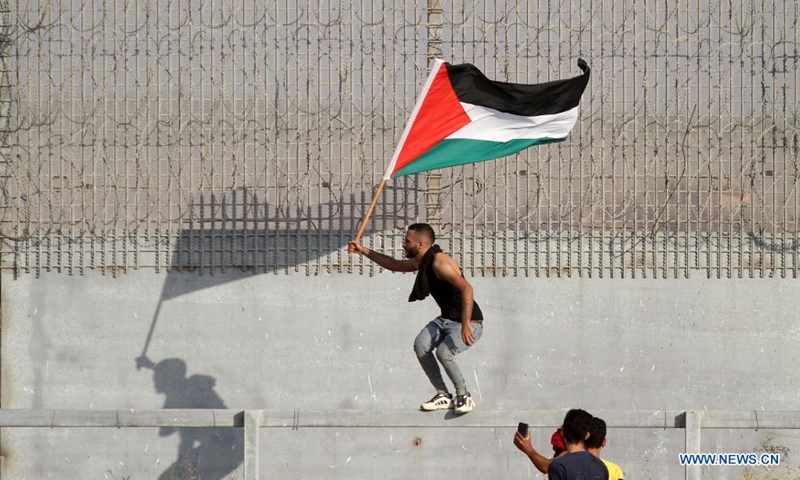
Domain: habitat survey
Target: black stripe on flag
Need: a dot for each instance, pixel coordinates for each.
(472, 86)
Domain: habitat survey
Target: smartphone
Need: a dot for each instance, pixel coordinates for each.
(522, 428)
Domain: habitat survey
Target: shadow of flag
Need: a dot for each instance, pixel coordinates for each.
(237, 235)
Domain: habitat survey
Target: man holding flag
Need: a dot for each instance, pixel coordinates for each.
(458, 327)
(463, 117)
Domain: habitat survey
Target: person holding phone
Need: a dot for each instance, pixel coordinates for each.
(575, 462)
(522, 440)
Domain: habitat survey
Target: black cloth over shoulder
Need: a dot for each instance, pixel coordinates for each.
(447, 297)
(422, 286)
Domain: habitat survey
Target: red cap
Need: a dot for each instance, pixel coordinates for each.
(557, 442)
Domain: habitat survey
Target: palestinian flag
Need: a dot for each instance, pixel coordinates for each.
(463, 117)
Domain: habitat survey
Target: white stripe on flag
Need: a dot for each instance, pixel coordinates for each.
(495, 126)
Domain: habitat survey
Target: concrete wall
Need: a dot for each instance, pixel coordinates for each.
(339, 341)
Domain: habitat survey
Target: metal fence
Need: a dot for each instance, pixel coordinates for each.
(219, 134)
(692, 421)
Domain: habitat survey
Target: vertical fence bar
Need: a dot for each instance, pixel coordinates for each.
(7, 222)
(433, 200)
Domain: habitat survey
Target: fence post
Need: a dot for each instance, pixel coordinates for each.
(693, 424)
(433, 179)
(252, 422)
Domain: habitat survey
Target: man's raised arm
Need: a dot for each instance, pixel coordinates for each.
(384, 261)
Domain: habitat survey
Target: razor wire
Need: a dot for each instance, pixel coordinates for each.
(244, 134)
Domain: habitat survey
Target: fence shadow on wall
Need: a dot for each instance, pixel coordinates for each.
(240, 234)
(234, 237)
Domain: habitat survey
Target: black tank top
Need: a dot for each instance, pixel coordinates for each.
(447, 297)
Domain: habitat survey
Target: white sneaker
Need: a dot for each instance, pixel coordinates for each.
(464, 403)
(441, 401)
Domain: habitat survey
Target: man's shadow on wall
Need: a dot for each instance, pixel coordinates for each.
(203, 453)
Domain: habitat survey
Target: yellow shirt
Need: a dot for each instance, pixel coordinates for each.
(614, 472)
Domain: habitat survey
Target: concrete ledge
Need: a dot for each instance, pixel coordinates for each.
(692, 421)
(385, 418)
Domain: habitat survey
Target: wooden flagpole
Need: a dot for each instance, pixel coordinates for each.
(371, 208)
(437, 65)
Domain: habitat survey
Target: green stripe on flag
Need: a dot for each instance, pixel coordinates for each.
(454, 152)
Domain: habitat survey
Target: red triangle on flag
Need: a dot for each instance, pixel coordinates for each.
(440, 115)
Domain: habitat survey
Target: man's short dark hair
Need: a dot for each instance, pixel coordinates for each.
(425, 231)
(597, 433)
(576, 425)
